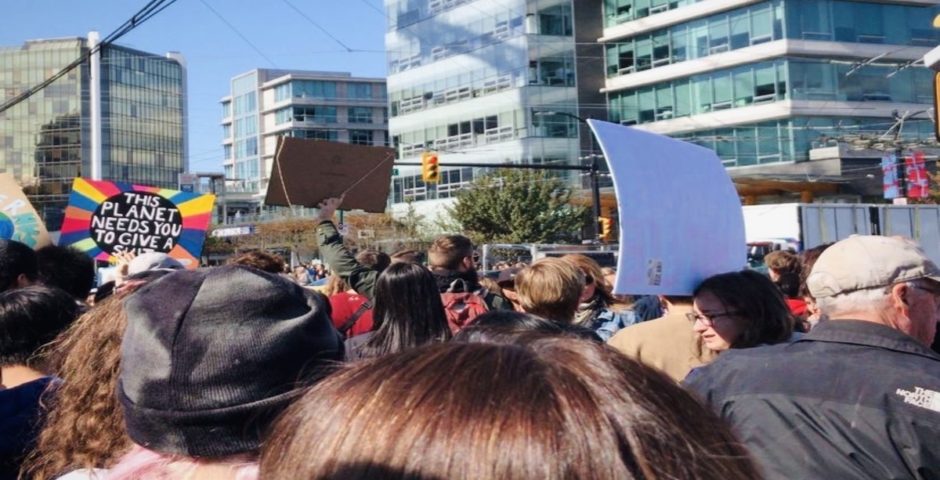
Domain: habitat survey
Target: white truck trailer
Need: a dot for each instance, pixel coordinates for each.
(806, 225)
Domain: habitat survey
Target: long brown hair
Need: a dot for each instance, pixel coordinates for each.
(84, 427)
(549, 408)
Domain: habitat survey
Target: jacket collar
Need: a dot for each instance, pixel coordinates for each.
(859, 332)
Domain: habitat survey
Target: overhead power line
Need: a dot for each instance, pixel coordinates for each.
(146, 13)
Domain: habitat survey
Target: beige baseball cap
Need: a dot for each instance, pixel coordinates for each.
(861, 262)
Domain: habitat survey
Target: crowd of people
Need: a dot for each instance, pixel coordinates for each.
(396, 368)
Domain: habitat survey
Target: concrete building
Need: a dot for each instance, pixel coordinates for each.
(265, 104)
(764, 82)
(119, 116)
(489, 81)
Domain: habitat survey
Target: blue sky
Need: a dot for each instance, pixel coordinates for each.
(214, 51)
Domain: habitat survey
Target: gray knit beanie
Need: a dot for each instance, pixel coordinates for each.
(211, 356)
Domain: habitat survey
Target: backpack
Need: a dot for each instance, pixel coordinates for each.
(461, 308)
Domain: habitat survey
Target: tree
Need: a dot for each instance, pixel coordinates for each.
(519, 206)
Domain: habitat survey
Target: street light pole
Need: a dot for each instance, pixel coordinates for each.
(594, 168)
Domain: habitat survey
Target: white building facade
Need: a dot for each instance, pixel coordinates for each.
(265, 104)
(488, 82)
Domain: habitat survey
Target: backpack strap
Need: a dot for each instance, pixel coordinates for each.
(355, 316)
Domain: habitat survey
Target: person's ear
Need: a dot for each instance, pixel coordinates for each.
(900, 297)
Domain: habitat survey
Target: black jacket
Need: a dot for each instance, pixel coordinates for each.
(851, 399)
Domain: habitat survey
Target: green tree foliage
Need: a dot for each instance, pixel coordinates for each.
(519, 206)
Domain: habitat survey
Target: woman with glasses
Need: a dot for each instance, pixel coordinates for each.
(740, 310)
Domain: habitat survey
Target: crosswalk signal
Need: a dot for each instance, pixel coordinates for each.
(606, 228)
(430, 170)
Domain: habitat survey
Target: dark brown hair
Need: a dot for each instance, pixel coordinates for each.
(551, 408)
(808, 259)
(757, 301)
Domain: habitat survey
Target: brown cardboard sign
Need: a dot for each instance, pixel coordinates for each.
(306, 172)
(18, 219)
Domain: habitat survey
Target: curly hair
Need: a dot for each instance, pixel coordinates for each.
(84, 426)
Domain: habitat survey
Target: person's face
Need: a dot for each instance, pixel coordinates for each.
(923, 312)
(715, 324)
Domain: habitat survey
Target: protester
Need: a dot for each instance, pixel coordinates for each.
(507, 286)
(205, 368)
(785, 271)
(84, 429)
(30, 317)
(300, 276)
(595, 310)
(739, 310)
(667, 343)
(551, 408)
(450, 259)
(808, 258)
(351, 313)
(67, 268)
(18, 265)
(408, 313)
(550, 288)
(858, 396)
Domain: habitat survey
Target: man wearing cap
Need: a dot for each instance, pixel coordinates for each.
(857, 397)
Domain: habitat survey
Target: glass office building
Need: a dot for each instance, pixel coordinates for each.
(121, 118)
(265, 104)
(764, 82)
(489, 82)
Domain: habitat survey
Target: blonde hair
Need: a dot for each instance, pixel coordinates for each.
(550, 288)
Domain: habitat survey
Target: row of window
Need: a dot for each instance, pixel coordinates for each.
(428, 43)
(700, 38)
(801, 19)
(790, 140)
(766, 82)
(712, 91)
(553, 71)
(325, 89)
(151, 65)
(323, 114)
(412, 188)
(621, 11)
(505, 126)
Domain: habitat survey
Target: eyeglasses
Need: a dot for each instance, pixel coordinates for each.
(709, 319)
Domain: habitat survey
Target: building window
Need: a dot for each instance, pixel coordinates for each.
(360, 137)
(313, 89)
(359, 90)
(317, 114)
(329, 135)
(360, 114)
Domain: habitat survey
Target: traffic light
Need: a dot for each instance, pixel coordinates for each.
(606, 228)
(430, 171)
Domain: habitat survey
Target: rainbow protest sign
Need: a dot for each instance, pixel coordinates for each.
(105, 218)
(18, 218)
